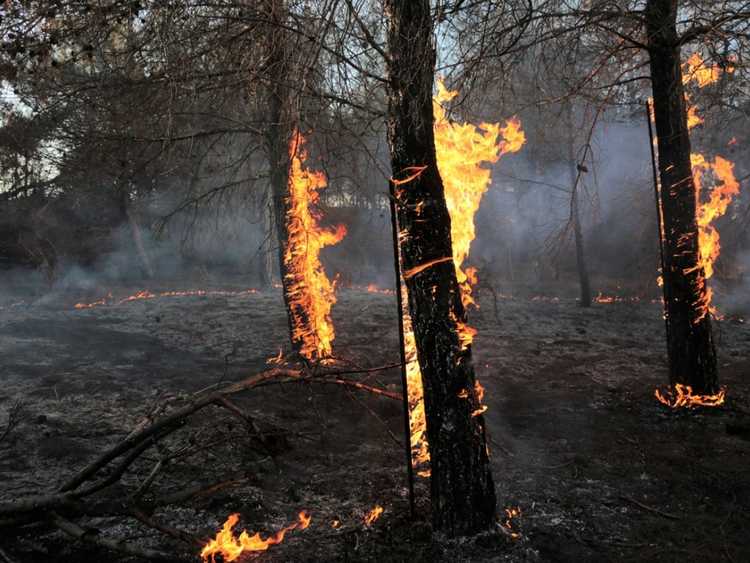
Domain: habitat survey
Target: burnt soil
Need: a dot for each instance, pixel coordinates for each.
(599, 469)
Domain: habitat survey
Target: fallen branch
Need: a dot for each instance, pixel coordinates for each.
(88, 536)
(173, 421)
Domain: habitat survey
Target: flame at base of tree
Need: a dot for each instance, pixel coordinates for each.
(230, 547)
(310, 293)
(683, 397)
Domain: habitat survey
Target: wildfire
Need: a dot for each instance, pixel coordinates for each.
(684, 398)
(311, 295)
(373, 515)
(417, 421)
(109, 300)
(462, 151)
(725, 187)
(230, 547)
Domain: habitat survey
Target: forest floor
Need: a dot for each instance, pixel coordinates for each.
(599, 469)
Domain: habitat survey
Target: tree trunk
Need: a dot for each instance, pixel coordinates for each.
(692, 356)
(575, 215)
(277, 141)
(461, 486)
(583, 273)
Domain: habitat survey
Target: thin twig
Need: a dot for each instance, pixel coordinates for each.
(649, 508)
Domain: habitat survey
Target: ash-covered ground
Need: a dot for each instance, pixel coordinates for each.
(599, 469)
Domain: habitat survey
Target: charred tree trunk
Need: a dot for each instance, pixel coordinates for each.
(692, 356)
(461, 485)
(277, 141)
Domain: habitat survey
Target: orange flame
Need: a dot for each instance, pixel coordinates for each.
(722, 171)
(144, 294)
(511, 513)
(462, 151)
(311, 295)
(684, 398)
(373, 515)
(230, 547)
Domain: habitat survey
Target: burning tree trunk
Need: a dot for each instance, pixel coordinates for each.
(692, 356)
(308, 294)
(277, 135)
(462, 490)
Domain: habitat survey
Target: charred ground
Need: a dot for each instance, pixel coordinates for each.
(600, 470)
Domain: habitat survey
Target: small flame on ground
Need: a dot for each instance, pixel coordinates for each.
(511, 513)
(230, 547)
(372, 288)
(276, 360)
(601, 298)
(684, 398)
(373, 515)
(109, 300)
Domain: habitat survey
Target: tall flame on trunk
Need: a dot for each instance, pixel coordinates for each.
(229, 547)
(310, 293)
(463, 150)
(725, 185)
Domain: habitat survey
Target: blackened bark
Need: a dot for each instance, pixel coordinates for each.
(692, 356)
(278, 135)
(461, 486)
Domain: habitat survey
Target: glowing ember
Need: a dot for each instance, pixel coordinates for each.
(309, 291)
(511, 513)
(276, 360)
(109, 300)
(601, 298)
(684, 398)
(373, 515)
(372, 288)
(230, 547)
